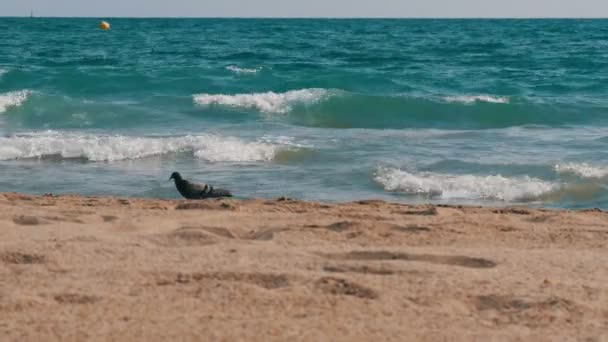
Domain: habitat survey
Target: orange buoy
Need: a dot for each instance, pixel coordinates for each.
(104, 25)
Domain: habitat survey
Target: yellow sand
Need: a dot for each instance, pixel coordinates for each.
(76, 268)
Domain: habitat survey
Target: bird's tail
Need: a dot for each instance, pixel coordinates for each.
(221, 193)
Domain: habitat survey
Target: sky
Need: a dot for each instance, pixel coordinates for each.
(306, 8)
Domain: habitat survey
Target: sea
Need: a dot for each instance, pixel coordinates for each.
(474, 112)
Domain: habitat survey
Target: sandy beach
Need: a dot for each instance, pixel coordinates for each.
(80, 268)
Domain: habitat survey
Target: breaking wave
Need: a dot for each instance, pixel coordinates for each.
(583, 170)
(469, 187)
(239, 70)
(13, 99)
(115, 147)
(332, 108)
(269, 102)
(470, 99)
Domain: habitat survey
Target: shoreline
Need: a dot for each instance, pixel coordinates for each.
(75, 267)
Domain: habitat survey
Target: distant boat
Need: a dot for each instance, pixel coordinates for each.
(31, 13)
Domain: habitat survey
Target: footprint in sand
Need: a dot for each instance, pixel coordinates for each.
(364, 269)
(455, 260)
(514, 310)
(412, 228)
(337, 227)
(18, 258)
(343, 287)
(25, 220)
(264, 235)
(263, 280)
(75, 298)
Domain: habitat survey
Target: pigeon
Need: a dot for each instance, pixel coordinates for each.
(192, 190)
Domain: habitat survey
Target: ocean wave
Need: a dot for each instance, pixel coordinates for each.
(354, 110)
(13, 99)
(115, 147)
(583, 170)
(269, 102)
(470, 99)
(3, 72)
(470, 187)
(332, 108)
(239, 70)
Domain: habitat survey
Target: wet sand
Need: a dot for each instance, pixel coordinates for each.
(80, 268)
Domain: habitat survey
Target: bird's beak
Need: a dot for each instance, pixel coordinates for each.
(170, 178)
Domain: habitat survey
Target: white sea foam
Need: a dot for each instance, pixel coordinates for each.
(583, 170)
(239, 70)
(112, 148)
(470, 99)
(2, 72)
(269, 102)
(13, 99)
(447, 186)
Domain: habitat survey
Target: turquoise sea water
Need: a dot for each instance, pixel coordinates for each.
(448, 111)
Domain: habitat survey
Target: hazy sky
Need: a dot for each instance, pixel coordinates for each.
(308, 8)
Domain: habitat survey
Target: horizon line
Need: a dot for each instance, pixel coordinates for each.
(304, 17)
